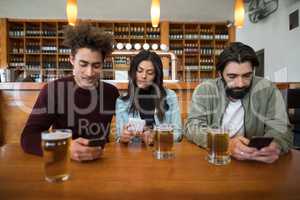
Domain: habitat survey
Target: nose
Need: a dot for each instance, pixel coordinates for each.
(144, 75)
(89, 71)
(239, 82)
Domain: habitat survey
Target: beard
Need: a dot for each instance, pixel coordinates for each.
(236, 92)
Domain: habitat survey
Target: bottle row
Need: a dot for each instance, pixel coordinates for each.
(139, 29)
(32, 48)
(63, 62)
(195, 61)
(16, 31)
(206, 60)
(17, 50)
(199, 68)
(195, 36)
(16, 62)
(221, 36)
(32, 32)
(191, 29)
(107, 65)
(191, 48)
(178, 51)
(122, 60)
(108, 77)
(49, 64)
(138, 36)
(135, 32)
(32, 63)
(207, 51)
(49, 49)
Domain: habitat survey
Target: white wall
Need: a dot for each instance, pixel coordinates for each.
(282, 47)
(135, 10)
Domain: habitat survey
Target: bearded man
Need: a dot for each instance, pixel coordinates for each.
(243, 104)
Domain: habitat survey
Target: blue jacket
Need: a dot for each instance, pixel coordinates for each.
(172, 116)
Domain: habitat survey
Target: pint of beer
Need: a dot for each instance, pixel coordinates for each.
(56, 153)
(218, 146)
(163, 142)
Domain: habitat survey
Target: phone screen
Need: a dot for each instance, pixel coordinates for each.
(97, 142)
(260, 142)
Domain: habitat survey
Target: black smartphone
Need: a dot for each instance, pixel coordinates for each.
(260, 142)
(96, 142)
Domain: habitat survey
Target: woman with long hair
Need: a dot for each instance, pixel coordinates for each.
(147, 99)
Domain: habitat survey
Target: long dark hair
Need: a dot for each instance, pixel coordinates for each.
(157, 88)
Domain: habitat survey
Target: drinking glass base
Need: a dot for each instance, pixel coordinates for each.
(164, 155)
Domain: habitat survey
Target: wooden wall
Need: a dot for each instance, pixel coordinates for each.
(15, 107)
(3, 43)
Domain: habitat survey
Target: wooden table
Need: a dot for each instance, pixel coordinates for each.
(132, 173)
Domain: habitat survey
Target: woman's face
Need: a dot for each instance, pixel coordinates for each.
(145, 74)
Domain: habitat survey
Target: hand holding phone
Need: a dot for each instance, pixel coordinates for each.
(260, 142)
(136, 125)
(96, 142)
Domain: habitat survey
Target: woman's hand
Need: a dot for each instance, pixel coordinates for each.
(126, 134)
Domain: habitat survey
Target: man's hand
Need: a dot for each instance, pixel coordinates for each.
(267, 154)
(80, 151)
(239, 150)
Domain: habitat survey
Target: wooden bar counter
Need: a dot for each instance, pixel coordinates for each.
(132, 173)
(17, 99)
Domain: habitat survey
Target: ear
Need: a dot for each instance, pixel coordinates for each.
(72, 59)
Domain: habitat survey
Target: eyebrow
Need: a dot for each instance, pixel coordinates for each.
(86, 62)
(232, 74)
(140, 67)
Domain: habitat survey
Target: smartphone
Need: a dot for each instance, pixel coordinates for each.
(97, 142)
(260, 142)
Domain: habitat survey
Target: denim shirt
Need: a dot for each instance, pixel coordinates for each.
(172, 116)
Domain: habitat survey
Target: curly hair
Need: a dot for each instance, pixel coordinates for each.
(84, 35)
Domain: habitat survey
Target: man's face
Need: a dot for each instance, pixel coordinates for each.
(237, 78)
(87, 66)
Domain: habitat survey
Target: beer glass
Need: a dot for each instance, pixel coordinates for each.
(149, 137)
(163, 142)
(56, 153)
(218, 146)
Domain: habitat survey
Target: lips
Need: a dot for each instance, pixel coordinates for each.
(142, 82)
(88, 79)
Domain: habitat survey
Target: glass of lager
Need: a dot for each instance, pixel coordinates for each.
(163, 142)
(56, 153)
(218, 146)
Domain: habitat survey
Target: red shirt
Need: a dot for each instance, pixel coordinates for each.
(63, 105)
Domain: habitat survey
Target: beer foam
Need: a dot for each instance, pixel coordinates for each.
(56, 135)
(164, 127)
